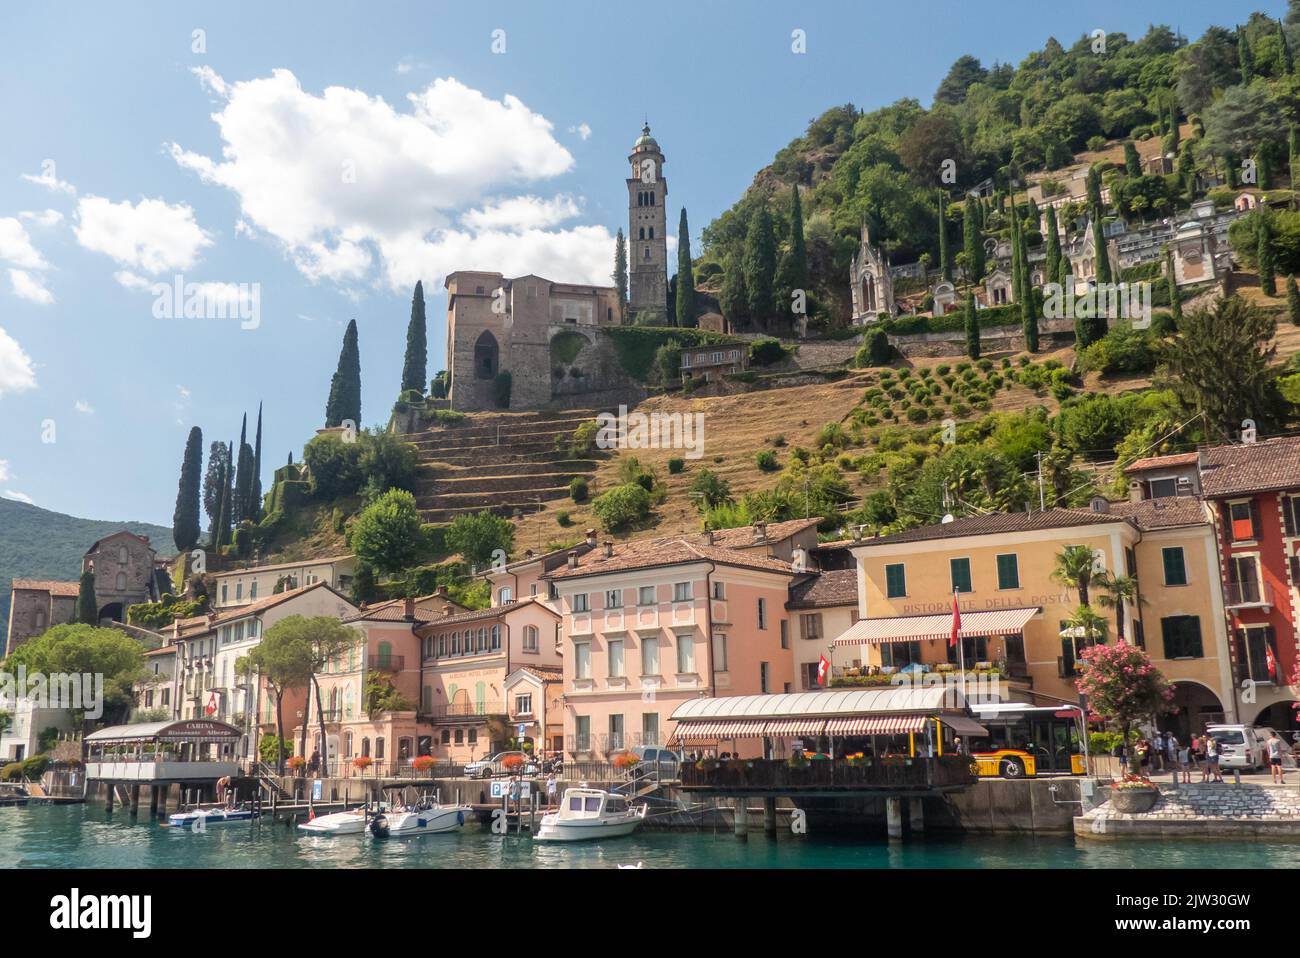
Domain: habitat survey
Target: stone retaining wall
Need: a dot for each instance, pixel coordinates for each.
(1207, 810)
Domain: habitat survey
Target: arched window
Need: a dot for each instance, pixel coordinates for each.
(496, 638)
(640, 233)
(652, 232)
(121, 555)
(40, 618)
(365, 747)
(379, 747)
(347, 744)
(530, 638)
(487, 356)
(121, 582)
(647, 252)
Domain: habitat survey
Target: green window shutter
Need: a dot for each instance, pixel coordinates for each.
(960, 574)
(1008, 572)
(1175, 566)
(895, 581)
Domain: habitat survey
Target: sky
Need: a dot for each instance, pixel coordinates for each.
(295, 165)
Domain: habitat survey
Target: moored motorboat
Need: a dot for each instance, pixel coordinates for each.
(424, 819)
(199, 819)
(349, 822)
(587, 813)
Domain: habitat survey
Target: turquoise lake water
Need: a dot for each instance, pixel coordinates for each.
(86, 836)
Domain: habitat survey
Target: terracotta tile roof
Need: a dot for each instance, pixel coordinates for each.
(1165, 513)
(742, 537)
(1257, 467)
(51, 586)
(492, 612)
(833, 588)
(542, 557)
(655, 553)
(994, 523)
(543, 673)
(428, 608)
(1163, 462)
(197, 625)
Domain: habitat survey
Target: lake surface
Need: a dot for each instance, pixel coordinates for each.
(87, 836)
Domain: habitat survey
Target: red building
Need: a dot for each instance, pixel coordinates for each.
(1254, 489)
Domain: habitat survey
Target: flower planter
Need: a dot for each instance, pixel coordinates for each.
(1133, 801)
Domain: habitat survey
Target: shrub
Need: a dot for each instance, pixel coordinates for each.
(578, 489)
(917, 414)
(709, 489)
(766, 461)
(333, 465)
(943, 369)
(875, 351)
(676, 464)
(387, 461)
(621, 506)
(764, 352)
(564, 518)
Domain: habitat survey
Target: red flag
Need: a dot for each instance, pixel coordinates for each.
(212, 704)
(956, 623)
(823, 669)
(1272, 663)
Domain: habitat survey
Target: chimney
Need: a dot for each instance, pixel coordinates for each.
(708, 537)
(760, 531)
(408, 609)
(591, 538)
(573, 555)
(446, 610)
(609, 549)
(212, 619)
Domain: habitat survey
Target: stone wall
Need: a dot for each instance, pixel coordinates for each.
(32, 611)
(1053, 334)
(1035, 805)
(123, 565)
(1215, 809)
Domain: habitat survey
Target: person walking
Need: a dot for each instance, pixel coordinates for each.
(314, 762)
(1185, 761)
(1274, 745)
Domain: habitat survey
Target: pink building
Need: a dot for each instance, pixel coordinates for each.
(465, 659)
(649, 624)
(522, 579)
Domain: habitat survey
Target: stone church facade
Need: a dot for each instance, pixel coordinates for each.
(871, 283)
(550, 336)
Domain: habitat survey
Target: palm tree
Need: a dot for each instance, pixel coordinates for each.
(1116, 590)
(1076, 567)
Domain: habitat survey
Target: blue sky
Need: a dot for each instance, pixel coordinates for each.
(331, 153)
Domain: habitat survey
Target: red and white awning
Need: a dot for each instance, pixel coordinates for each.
(917, 628)
(726, 729)
(795, 726)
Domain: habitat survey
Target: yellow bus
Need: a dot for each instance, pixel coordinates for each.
(1026, 740)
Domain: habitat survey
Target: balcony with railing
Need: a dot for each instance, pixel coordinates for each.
(1248, 593)
(461, 711)
(386, 663)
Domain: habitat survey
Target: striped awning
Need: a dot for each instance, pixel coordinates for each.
(915, 628)
(876, 725)
(795, 726)
(732, 728)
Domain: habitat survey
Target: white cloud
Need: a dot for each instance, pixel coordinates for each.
(51, 182)
(348, 184)
(16, 372)
(181, 404)
(17, 496)
(4, 470)
(151, 235)
(522, 212)
(16, 246)
(30, 287)
(582, 129)
(84, 407)
(132, 280)
(42, 217)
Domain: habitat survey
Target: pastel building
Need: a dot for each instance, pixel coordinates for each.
(821, 608)
(650, 624)
(245, 586)
(523, 578)
(1014, 615)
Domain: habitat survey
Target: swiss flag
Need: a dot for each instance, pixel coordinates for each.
(956, 623)
(823, 669)
(211, 707)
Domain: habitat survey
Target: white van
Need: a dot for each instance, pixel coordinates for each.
(1240, 746)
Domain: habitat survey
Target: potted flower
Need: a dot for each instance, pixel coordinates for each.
(296, 764)
(422, 763)
(512, 763)
(362, 762)
(1133, 795)
(625, 761)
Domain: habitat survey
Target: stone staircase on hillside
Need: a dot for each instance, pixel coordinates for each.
(505, 462)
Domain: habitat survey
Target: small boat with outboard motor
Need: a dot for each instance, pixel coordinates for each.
(590, 813)
(201, 818)
(425, 816)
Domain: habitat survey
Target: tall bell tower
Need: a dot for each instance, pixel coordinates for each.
(647, 241)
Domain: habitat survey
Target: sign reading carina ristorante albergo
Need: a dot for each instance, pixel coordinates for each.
(197, 729)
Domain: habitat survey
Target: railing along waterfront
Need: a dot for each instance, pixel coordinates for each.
(946, 771)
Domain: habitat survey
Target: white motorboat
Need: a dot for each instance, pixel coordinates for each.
(200, 819)
(426, 818)
(587, 813)
(349, 822)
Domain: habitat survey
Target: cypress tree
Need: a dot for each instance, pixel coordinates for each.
(971, 244)
(212, 479)
(1053, 245)
(759, 265)
(972, 328)
(1029, 323)
(793, 272)
(620, 273)
(87, 606)
(733, 298)
(945, 255)
(1265, 256)
(227, 503)
(415, 365)
(243, 475)
(1293, 154)
(1093, 181)
(1063, 273)
(1288, 65)
(1292, 301)
(1174, 136)
(256, 503)
(1099, 248)
(1175, 304)
(1132, 162)
(1244, 57)
(685, 276)
(345, 387)
(185, 519)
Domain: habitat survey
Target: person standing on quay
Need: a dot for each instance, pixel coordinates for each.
(1274, 745)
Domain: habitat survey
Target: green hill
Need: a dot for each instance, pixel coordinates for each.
(39, 544)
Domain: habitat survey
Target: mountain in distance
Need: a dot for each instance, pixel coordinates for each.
(36, 543)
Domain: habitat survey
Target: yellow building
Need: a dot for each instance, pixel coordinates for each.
(1014, 613)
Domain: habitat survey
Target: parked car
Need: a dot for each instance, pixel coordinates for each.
(651, 759)
(491, 767)
(1240, 746)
